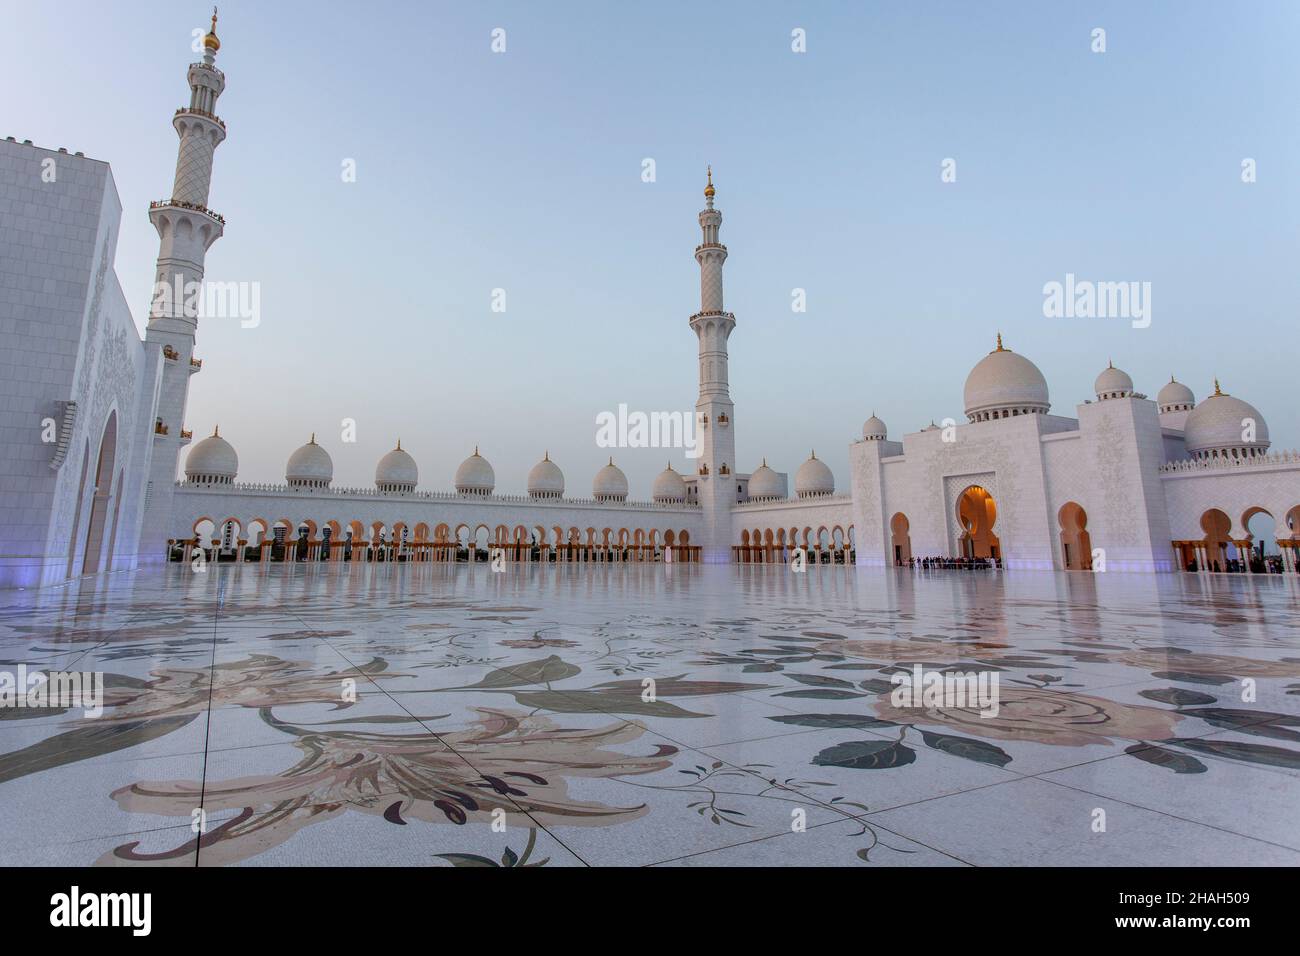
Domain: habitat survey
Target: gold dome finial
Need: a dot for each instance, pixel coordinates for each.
(211, 41)
(313, 439)
(708, 190)
(1217, 390)
(999, 348)
(216, 431)
(399, 444)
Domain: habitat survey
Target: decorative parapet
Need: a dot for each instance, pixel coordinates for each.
(772, 504)
(195, 207)
(1199, 465)
(204, 113)
(257, 488)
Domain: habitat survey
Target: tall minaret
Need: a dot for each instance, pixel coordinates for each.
(715, 414)
(187, 228)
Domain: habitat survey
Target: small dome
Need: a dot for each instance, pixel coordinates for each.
(1113, 383)
(309, 467)
(813, 479)
(545, 480)
(1175, 397)
(1216, 428)
(610, 484)
(1004, 383)
(475, 476)
(397, 471)
(669, 487)
(874, 429)
(212, 460)
(765, 484)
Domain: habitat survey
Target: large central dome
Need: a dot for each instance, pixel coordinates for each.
(1003, 384)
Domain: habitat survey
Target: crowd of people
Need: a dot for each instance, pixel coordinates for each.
(940, 563)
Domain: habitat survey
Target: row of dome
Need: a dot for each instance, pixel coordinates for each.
(1004, 384)
(214, 461)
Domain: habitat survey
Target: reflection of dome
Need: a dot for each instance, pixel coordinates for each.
(309, 467)
(1219, 427)
(475, 476)
(873, 429)
(610, 484)
(545, 480)
(212, 461)
(1003, 384)
(1175, 397)
(397, 472)
(765, 484)
(1113, 383)
(669, 487)
(813, 479)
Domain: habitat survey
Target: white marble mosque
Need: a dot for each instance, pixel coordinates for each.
(1121, 483)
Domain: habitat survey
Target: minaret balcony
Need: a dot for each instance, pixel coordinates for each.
(710, 245)
(209, 67)
(204, 113)
(713, 315)
(193, 207)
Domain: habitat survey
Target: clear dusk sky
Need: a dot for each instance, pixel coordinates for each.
(522, 171)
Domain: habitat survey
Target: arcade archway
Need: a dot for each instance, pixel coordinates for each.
(1076, 543)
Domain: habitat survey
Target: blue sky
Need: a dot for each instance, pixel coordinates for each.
(522, 171)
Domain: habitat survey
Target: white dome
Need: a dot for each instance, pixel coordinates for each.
(475, 476)
(1003, 381)
(1175, 397)
(545, 480)
(212, 460)
(1214, 428)
(669, 486)
(874, 429)
(310, 466)
(397, 471)
(1113, 383)
(765, 484)
(813, 479)
(610, 484)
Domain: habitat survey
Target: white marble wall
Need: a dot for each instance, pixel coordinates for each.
(67, 334)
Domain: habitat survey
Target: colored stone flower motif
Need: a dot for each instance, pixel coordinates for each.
(533, 643)
(259, 680)
(1043, 716)
(509, 761)
(1209, 665)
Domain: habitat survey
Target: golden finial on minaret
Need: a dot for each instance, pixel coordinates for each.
(211, 42)
(708, 190)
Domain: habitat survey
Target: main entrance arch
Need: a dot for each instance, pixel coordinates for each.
(977, 513)
(900, 528)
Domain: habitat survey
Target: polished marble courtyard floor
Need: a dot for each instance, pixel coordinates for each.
(440, 715)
